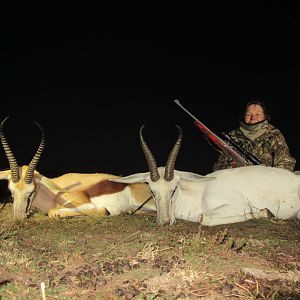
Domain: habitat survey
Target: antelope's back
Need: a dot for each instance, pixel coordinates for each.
(81, 181)
(264, 187)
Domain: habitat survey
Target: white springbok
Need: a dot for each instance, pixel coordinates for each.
(222, 197)
(71, 194)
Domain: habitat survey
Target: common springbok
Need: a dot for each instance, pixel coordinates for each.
(71, 194)
(221, 197)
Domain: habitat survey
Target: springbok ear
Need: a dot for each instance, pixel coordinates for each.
(6, 174)
(134, 178)
(189, 176)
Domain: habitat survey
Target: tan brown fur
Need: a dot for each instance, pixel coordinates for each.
(104, 188)
(85, 180)
(86, 212)
(76, 198)
(141, 192)
(90, 185)
(21, 185)
(71, 193)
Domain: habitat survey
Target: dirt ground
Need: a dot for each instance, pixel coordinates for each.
(130, 257)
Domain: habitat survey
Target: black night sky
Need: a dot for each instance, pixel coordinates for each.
(92, 75)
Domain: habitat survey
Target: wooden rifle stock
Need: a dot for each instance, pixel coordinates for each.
(223, 146)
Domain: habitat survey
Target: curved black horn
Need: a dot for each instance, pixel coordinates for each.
(154, 175)
(169, 170)
(36, 158)
(13, 165)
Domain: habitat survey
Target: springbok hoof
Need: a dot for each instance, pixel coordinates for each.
(53, 214)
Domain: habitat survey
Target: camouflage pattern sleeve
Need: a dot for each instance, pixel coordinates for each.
(223, 162)
(282, 158)
(270, 148)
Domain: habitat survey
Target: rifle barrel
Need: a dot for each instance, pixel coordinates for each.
(179, 104)
(226, 149)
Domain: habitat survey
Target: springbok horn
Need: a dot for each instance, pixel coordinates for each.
(169, 170)
(13, 165)
(154, 175)
(36, 158)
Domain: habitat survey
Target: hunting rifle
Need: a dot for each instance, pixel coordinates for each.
(228, 147)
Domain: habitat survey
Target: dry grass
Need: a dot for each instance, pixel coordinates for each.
(129, 257)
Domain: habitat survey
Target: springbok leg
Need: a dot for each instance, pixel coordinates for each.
(221, 215)
(83, 210)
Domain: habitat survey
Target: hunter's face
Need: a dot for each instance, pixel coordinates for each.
(254, 114)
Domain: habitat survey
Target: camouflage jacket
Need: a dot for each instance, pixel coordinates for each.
(270, 142)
